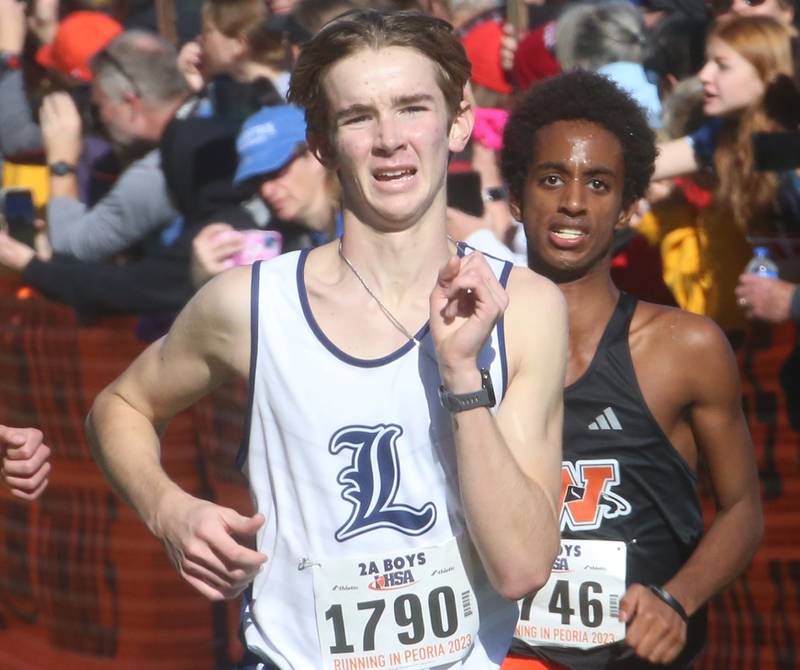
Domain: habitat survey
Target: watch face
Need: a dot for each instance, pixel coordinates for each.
(61, 169)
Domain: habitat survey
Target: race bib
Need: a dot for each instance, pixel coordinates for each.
(579, 605)
(399, 610)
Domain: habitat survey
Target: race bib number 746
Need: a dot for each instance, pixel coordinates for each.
(395, 611)
(579, 605)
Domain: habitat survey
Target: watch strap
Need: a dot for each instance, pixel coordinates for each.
(61, 168)
(459, 402)
(494, 194)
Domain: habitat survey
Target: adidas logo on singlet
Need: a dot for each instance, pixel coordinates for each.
(606, 421)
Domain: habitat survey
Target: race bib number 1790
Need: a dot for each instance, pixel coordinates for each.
(414, 609)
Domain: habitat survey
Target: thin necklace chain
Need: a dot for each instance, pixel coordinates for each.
(392, 319)
(372, 295)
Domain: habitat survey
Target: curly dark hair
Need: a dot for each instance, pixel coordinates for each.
(584, 96)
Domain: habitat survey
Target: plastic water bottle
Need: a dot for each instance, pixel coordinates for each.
(761, 264)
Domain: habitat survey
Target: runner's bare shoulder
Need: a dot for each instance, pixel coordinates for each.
(690, 343)
(534, 293)
(535, 319)
(217, 319)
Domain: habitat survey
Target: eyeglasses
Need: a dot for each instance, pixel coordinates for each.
(117, 65)
(719, 7)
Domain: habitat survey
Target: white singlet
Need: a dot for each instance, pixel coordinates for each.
(352, 463)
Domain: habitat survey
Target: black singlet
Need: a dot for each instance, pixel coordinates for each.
(654, 508)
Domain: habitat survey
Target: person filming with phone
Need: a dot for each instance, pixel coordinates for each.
(301, 192)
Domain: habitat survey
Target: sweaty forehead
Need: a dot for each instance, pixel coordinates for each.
(578, 143)
(379, 76)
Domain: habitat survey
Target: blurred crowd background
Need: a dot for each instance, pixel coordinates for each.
(147, 146)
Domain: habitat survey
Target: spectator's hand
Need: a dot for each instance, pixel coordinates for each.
(212, 249)
(43, 20)
(281, 6)
(461, 225)
(41, 241)
(656, 632)
(210, 545)
(14, 255)
(659, 190)
(190, 60)
(498, 212)
(25, 461)
(641, 210)
(61, 128)
(509, 43)
(12, 26)
(765, 298)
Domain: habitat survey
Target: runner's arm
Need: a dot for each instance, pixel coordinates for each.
(655, 631)
(208, 344)
(509, 468)
(722, 436)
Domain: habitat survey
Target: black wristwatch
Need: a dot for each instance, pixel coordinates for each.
(61, 168)
(494, 194)
(458, 402)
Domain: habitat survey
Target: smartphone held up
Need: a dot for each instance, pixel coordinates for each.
(17, 214)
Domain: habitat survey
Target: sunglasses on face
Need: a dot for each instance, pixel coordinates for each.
(719, 7)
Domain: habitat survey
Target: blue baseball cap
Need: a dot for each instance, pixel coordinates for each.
(268, 140)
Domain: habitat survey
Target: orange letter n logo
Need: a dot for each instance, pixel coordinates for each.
(586, 496)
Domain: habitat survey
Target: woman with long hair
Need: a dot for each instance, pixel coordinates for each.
(705, 238)
(745, 57)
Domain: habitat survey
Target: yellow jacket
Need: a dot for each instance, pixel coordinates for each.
(702, 253)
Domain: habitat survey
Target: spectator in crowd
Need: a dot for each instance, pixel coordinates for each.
(76, 39)
(527, 51)
(236, 41)
(301, 192)
(609, 38)
(25, 461)
(674, 51)
(746, 55)
(746, 58)
(780, 10)
(700, 253)
(668, 223)
(481, 40)
(137, 89)
(158, 283)
(768, 299)
(154, 279)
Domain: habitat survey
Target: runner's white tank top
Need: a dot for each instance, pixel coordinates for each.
(351, 459)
